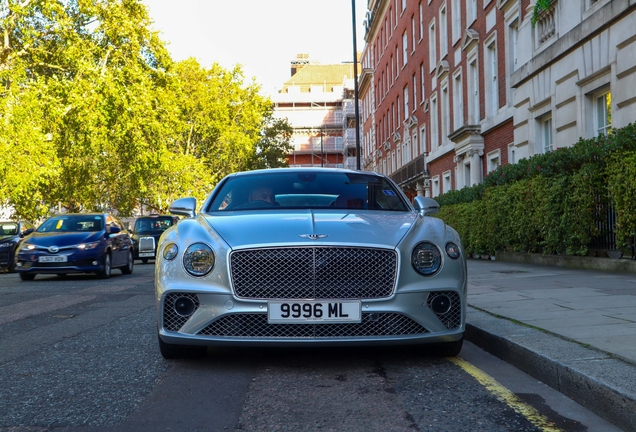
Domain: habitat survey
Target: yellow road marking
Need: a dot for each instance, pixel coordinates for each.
(506, 396)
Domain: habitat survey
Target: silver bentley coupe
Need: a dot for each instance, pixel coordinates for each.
(309, 256)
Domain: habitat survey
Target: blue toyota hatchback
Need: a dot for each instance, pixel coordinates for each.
(76, 243)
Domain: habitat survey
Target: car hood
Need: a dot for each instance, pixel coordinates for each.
(63, 239)
(258, 228)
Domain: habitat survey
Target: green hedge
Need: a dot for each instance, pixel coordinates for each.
(550, 202)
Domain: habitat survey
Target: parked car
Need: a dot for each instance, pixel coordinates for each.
(11, 234)
(76, 243)
(146, 233)
(309, 256)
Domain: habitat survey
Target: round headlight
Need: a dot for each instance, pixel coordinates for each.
(170, 251)
(452, 250)
(426, 259)
(198, 259)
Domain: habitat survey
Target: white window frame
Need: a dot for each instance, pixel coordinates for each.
(423, 140)
(493, 160)
(474, 114)
(602, 115)
(423, 82)
(545, 128)
(447, 181)
(435, 186)
(405, 48)
(456, 21)
(445, 109)
(443, 31)
(458, 100)
(405, 96)
(492, 76)
(414, 146)
(414, 92)
(471, 12)
(432, 45)
(421, 22)
(434, 123)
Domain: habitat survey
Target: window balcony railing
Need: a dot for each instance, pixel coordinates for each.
(414, 170)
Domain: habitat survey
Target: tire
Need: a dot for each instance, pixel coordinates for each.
(144, 260)
(27, 276)
(128, 268)
(174, 352)
(448, 349)
(105, 273)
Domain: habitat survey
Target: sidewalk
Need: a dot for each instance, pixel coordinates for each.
(574, 330)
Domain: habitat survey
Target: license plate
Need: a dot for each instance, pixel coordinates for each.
(146, 254)
(55, 258)
(313, 312)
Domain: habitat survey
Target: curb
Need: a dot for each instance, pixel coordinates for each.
(618, 265)
(593, 378)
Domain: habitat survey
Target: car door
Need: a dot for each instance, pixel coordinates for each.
(114, 233)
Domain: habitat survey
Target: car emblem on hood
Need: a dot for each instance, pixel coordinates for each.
(54, 249)
(313, 236)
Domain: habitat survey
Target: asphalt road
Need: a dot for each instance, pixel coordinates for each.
(80, 354)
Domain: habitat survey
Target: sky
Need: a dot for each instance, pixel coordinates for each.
(261, 35)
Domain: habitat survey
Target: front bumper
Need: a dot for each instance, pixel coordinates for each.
(222, 319)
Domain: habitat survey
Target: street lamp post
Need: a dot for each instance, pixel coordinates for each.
(355, 83)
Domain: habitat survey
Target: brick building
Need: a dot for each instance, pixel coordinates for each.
(318, 102)
(451, 89)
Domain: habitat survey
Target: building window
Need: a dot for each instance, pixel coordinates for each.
(405, 48)
(413, 42)
(513, 37)
(423, 140)
(471, 12)
(435, 183)
(399, 114)
(445, 108)
(406, 151)
(473, 92)
(432, 46)
(545, 123)
(422, 80)
(457, 21)
(434, 125)
(603, 113)
(492, 105)
(448, 184)
(493, 160)
(416, 150)
(414, 92)
(443, 32)
(458, 102)
(406, 102)
(421, 21)
(403, 5)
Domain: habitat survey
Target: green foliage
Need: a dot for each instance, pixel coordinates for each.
(540, 6)
(550, 203)
(97, 116)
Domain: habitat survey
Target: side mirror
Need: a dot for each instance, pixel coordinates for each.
(426, 206)
(26, 232)
(184, 207)
(114, 229)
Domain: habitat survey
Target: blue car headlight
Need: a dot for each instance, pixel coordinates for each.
(198, 259)
(426, 258)
(27, 247)
(88, 246)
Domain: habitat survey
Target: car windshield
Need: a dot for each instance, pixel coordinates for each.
(8, 228)
(153, 224)
(307, 190)
(72, 223)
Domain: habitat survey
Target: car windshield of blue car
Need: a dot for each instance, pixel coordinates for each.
(72, 223)
(8, 229)
(152, 224)
(307, 190)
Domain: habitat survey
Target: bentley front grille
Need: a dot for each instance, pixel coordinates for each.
(313, 273)
(252, 325)
(146, 244)
(452, 319)
(172, 321)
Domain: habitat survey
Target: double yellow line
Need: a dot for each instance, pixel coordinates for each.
(506, 396)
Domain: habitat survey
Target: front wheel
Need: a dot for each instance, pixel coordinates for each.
(173, 352)
(27, 276)
(128, 268)
(105, 273)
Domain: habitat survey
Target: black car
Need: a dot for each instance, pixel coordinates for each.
(11, 234)
(76, 243)
(146, 235)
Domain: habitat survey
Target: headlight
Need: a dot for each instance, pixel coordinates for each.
(7, 244)
(452, 250)
(88, 246)
(198, 259)
(426, 259)
(170, 251)
(27, 247)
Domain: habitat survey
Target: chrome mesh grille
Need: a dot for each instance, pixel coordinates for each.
(251, 325)
(172, 321)
(313, 273)
(453, 318)
(146, 244)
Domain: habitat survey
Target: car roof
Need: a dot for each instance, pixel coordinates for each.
(302, 170)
